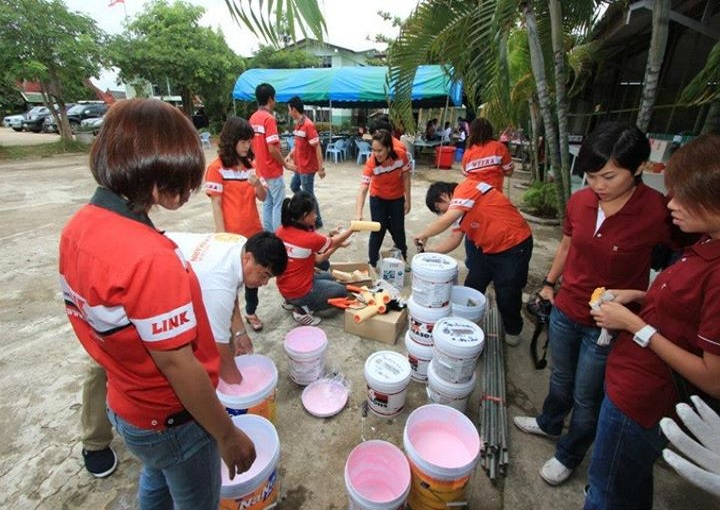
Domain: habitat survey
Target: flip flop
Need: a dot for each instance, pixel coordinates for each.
(254, 321)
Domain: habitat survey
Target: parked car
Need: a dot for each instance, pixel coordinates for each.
(80, 112)
(91, 125)
(14, 121)
(49, 125)
(34, 119)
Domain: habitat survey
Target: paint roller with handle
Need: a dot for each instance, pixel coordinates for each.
(364, 226)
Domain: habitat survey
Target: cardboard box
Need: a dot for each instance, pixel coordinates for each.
(381, 327)
(349, 267)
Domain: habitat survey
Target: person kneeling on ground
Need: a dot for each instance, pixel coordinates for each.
(304, 289)
(498, 242)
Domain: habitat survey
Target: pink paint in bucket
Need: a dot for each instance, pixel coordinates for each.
(443, 447)
(257, 391)
(258, 487)
(305, 347)
(377, 476)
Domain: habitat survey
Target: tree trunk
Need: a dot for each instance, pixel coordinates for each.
(561, 97)
(187, 99)
(534, 137)
(537, 62)
(656, 55)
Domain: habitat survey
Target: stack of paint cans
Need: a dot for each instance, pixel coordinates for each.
(458, 343)
(433, 277)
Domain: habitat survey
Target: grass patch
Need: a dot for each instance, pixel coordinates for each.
(45, 150)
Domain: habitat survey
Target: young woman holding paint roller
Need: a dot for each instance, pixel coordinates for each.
(306, 290)
(387, 176)
(136, 307)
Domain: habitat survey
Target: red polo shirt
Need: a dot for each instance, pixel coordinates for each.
(683, 304)
(306, 142)
(238, 199)
(128, 291)
(487, 162)
(266, 134)
(618, 255)
(490, 221)
(301, 246)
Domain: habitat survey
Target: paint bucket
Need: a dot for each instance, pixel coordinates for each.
(256, 393)
(458, 344)
(377, 476)
(305, 347)
(258, 487)
(468, 303)
(422, 319)
(387, 374)
(440, 391)
(443, 447)
(433, 275)
(419, 356)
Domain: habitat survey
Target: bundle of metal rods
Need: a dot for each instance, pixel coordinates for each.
(493, 409)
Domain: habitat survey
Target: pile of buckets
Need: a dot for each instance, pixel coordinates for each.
(443, 341)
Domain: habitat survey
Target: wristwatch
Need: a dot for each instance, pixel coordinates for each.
(642, 336)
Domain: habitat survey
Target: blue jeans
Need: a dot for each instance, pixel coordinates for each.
(576, 383)
(324, 288)
(621, 470)
(508, 271)
(181, 465)
(306, 182)
(272, 206)
(391, 216)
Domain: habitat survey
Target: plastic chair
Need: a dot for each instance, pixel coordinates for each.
(344, 146)
(333, 149)
(205, 139)
(363, 151)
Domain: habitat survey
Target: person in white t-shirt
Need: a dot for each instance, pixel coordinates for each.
(224, 263)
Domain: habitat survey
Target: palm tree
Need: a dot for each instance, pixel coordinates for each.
(656, 55)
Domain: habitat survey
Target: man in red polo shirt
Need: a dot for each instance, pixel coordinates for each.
(306, 157)
(268, 158)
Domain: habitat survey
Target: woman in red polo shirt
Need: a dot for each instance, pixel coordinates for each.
(611, 229)
(233, 188)
(387, 176)
(306, 290)
(670, 348)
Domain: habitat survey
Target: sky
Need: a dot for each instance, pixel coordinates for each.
(349, 23)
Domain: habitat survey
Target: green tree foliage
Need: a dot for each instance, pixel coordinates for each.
(42, 41)
(166, 45)
(267, 57)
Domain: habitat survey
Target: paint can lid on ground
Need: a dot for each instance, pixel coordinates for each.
(325, 397)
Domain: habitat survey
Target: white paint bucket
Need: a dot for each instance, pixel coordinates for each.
(258, 390)
(467, 303)
(392, 270)
(377, 476)
(440, 391)
(258, 487)
(387, 374)
(433, 275)
(419, 356)
(305, 347)
(422, 319)
(458, 344)
(443, 447)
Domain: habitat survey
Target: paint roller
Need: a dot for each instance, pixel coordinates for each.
(367, 312)
(364, 226)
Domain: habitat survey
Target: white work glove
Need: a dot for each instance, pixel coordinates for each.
(605, 335)
(705, 426)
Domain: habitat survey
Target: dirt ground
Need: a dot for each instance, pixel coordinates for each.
(42, 364)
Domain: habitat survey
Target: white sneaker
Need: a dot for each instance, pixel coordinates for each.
(554, 472)
(305, 317)
(512, 340)
(529, 425)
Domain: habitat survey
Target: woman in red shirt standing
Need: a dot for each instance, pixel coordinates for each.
(486, 159)
(233, 187)
(387, 176)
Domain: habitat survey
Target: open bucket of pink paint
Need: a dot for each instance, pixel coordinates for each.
(305, 347)
(257, 392)
(377, 476)
(258, 487)
(443, 447)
